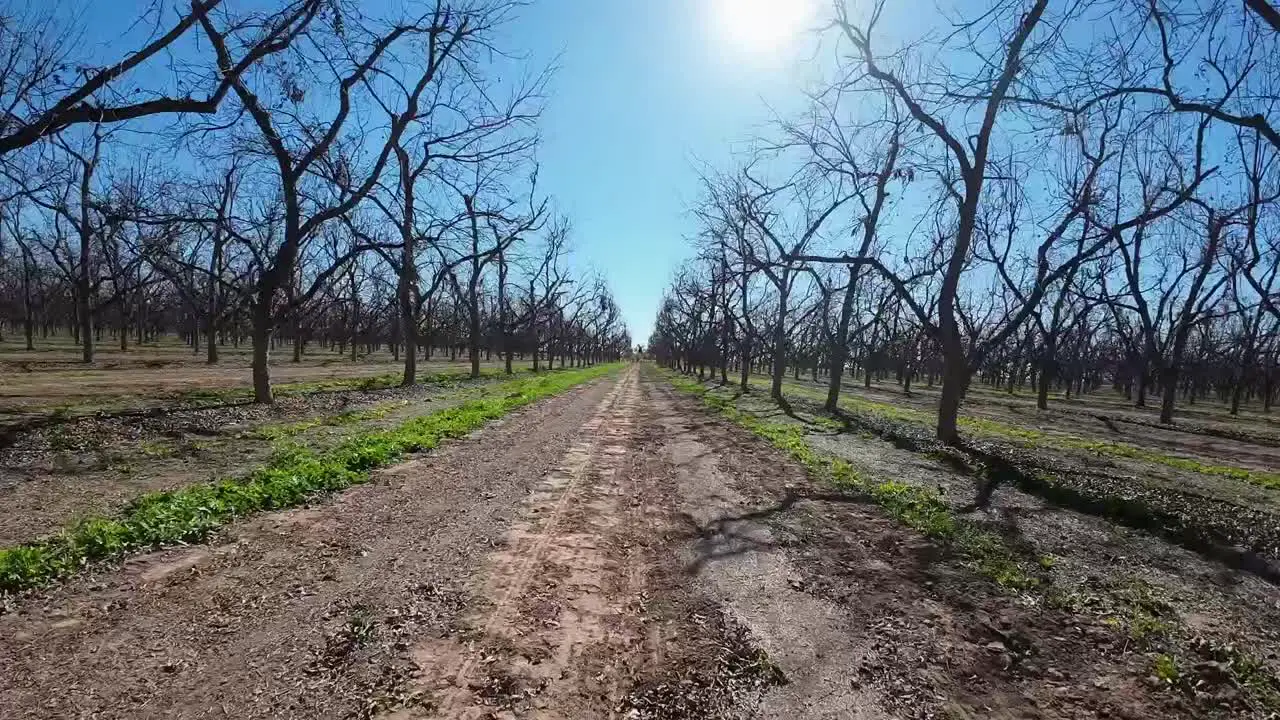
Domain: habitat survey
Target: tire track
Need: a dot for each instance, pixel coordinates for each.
(549, 641)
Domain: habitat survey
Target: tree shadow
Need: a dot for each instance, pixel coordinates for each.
(992, 469)
(754, 530)
(1109, 423)
(1036, 479)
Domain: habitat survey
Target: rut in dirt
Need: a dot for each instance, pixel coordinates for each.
(558, 599)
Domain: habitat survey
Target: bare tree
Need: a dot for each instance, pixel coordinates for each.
(45, 89)
(314, 168)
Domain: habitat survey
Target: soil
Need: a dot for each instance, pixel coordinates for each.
(307, 613)
(54, 475)
(1226, 517)
(52, 384)
(1104, 576)
(613, 552)
(146, 380)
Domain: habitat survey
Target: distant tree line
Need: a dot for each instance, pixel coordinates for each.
(291, 173)
(1036, 199)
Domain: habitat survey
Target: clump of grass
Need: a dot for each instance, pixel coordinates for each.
(1109, 448)
(920, 509)
(1149, 617)
(1257, 477)
(1166, 669)
(1243, 670)
(360, 626)
(293, 476)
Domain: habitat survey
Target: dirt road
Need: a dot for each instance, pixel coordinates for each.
(611, 552)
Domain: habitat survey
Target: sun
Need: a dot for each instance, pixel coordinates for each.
(762, 28)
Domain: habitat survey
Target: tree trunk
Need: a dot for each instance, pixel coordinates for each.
(779, 346)
(1169, 390)
(1047, 370)
(84, 307)
(473, 328)
(28, 328)
(141, 317)
(504, 318)
(261, 335)
(1268, 390)
(28, 304)
(473, 347)
(726, 322)
(408, 322)
(954, 378)
(840, 348)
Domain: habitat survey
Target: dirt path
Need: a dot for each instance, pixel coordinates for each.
(609, 553)
(553, 619)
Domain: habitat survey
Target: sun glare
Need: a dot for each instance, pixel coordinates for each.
(762, 28)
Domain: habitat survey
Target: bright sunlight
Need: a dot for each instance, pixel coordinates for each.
(762, 29)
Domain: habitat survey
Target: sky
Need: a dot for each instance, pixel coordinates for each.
(646, 93)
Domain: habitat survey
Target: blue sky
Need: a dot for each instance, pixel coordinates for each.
(646, 91)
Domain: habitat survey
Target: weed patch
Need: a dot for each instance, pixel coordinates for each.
(918, 508)
(1029, 437)
(281, 431)
(293, 476)
(1166, 669)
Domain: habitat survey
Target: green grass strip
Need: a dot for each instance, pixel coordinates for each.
(1029, 437)
(291, 478)
(920, 509)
